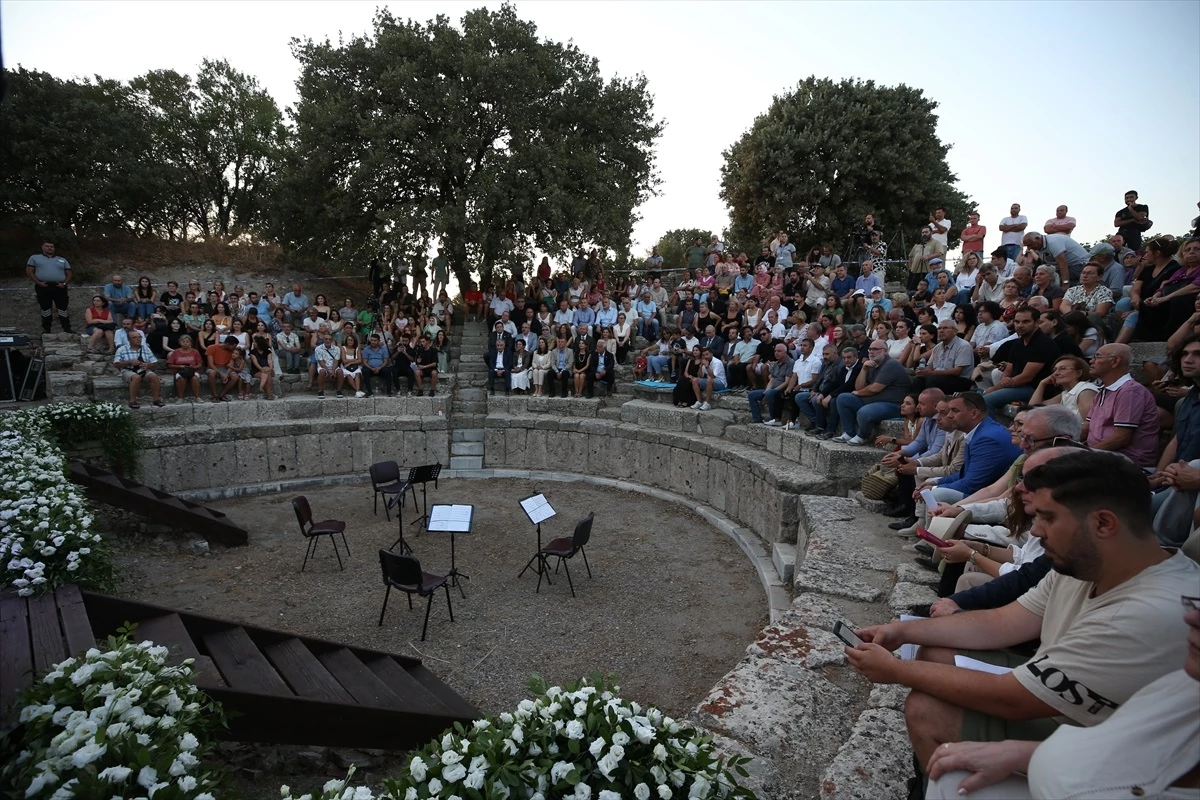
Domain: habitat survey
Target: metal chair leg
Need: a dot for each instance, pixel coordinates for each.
(567, 567)
(347, 544)
(309, 548)
(585, 562)
(446, 586)
(338, 553)
(428, 605)
(409, 595)
(375, 509)
(386, 595)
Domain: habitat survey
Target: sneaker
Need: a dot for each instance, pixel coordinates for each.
(826, 436)
(696, 405)
(841, 438)
(815, 432)
(705, 407)
(340, 394)
(787, 426)
(360, 394)
(773, 423)
(321, 395)
(911, 530)
(856, 441)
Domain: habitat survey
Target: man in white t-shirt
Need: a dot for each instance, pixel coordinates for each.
(939, 227)
(805, 371)
(1107, 617)
(1012, 230)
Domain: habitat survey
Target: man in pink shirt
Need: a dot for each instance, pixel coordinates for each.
(1060, 222)
(972, 236)
(1124, 416)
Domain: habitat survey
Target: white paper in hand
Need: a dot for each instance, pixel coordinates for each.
(928, 499)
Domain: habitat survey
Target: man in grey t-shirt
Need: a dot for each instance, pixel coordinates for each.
(50, 275)
(880, 387)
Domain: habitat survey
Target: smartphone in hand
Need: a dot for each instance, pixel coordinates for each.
(846, 634)
(933, 540)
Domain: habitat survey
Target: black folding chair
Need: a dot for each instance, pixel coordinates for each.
(385, 480)
(565, 548)
(404, 573)
(314, 530)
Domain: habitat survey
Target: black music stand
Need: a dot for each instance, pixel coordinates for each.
(423, 475)
(452, 519)
(538, 509)
(397, 502)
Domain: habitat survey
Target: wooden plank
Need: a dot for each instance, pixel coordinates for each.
(304, 672)
(362, 684)
(75, 624)
(405, 686)
(241, 663)
(16, 652)
(451, 699)
(169, 631)
(45, 632)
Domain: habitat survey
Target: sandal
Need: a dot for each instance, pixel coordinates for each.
(134, 405)
(159, 403)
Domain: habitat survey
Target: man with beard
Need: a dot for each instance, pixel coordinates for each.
(1106, 616)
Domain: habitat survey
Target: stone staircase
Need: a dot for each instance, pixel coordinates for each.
(469, 406)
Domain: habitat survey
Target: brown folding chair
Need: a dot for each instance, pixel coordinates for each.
(565, 548)
(314, 530)
(385, 480)
(405, 573)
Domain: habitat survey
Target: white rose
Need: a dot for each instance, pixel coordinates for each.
(605, 794)
(597, 747)
(454, 773)
(451, 757)
(417, 769)
(641, 792)
(700, 788)
(435, 786)
(621, 738)
(664, 791)
(574, 729)
(474, 780)
(660, 752)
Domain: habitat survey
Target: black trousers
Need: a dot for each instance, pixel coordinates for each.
(384, 375)
(557, 382)
(402, 368)
(737, 375)
(52, 295)
(492, 377)
(904, 494)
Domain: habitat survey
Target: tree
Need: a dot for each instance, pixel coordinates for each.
(673, 245)
(826, 155)
(485, 137)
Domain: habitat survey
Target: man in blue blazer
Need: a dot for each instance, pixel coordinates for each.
(499, 360)
(989, 448)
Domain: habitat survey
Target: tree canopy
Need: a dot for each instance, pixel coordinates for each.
(482, 136)
(826, 155)
(163, 155)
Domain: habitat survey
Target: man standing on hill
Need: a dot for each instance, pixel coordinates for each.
(50, 275)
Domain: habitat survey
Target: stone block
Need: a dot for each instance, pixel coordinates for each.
(907, 598)
(771, 705)
(888, 695)
(493, 447)
(281, 458)
(714, 423)
(514, 448)
(874, 763)
(305, 408)
(826, 578)
(362, 445)
(308, 455)
(796, 644)
(252, 463)
(783, 556)
(536, 456)
(911, 573)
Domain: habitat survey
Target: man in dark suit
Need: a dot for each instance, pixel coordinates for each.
(989, 451)
(499, 360)
(603, 371)
(824, 404)
(499, 334)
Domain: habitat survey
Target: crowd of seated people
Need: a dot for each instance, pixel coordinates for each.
(236, 342)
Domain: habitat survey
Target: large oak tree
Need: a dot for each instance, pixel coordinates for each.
(822, 157)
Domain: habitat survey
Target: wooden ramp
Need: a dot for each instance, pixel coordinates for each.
(111, 489)
(276, 687)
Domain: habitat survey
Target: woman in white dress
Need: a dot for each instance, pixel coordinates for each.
(540, 365)
(522, 361)
(901, 336)
(1072, 376)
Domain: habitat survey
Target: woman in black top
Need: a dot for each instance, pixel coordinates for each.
(169, 341)
(583, 367)
(143, 295)
(683, 395)
(1158, 267)
(732, 322)
(261, 366)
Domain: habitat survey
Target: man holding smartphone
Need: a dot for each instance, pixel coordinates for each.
(1106, 617)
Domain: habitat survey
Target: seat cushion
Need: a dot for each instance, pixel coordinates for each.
(327, 526)
(429, 582)
(559, 547)
(391, 488)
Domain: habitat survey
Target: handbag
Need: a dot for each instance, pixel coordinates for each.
(878, 482)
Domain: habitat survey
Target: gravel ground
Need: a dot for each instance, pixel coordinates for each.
(671, 608)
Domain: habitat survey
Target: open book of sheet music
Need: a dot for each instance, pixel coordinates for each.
(537, 508)
(451, 519)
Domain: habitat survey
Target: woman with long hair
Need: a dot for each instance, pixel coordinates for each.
(684, 395)
(143, 296)
(322, 307)
(1148, 321)
(624, 334)
(442, 343)
(912, 420)
(262, 367)
(351, 364)
(1084, 332)
(222, 318)
(918, 352)
(170, 340)
(833, 307)
(1051, 323)
(99, 325)
(1072, 378)
(966, 320)
(901, 339)
(540, 365)
(966, 276)
(581, 368)
(208, 335)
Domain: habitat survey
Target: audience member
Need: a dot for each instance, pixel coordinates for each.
(1124, 416)
(881, 384)
(950, 363)
(1030, 359)
(989, 450)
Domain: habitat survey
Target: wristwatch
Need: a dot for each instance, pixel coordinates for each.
(974, 555)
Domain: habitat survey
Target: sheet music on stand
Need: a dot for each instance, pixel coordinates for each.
(451, 519)
(537, 508)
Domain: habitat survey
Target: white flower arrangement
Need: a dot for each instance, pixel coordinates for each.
(46, 538)
(117, 722)
(579, 743)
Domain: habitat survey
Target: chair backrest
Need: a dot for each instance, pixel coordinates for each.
(303, 512)
(401, 571)
(384, 472)
(583, 532)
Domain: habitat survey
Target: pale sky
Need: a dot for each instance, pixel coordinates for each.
(1044, 103)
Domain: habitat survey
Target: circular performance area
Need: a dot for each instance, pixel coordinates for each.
(669, 609)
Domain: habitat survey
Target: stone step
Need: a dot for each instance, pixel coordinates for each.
(783, 556)
(467, 435)
(469, 422)
(469, 407)
(469, 395)
(609, 413)
(556, 406)
(466, 448)
(466, 462)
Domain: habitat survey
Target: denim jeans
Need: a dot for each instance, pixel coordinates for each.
(1014, 250)
(860, 417)
(657, 364)
(648, 328)
(824, 418)
(290, 360)
(772, 398)
(145, 310)
(1001, 397)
